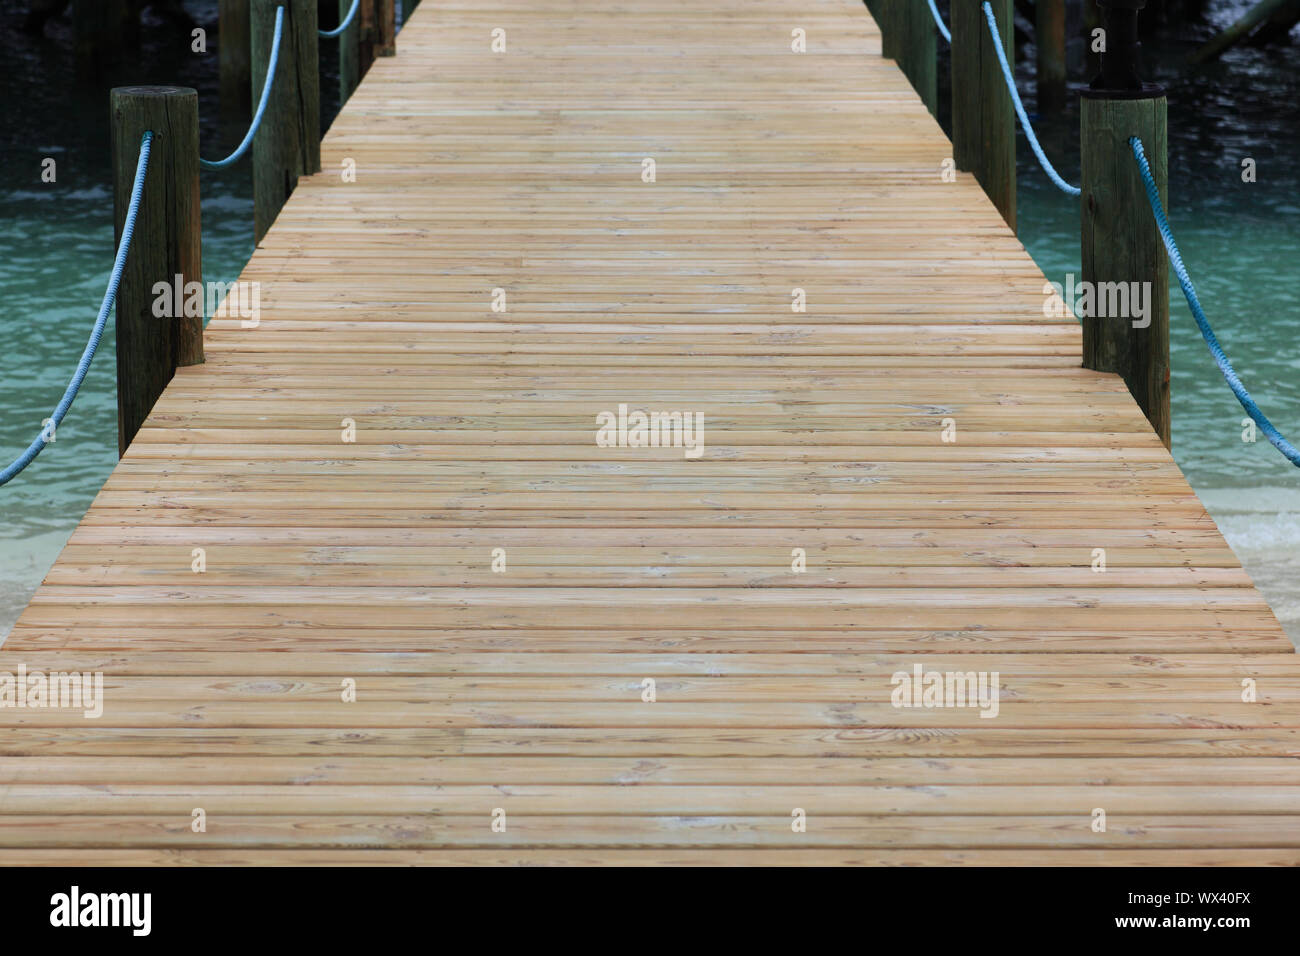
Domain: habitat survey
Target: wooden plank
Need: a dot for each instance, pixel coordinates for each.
(231, 746)
(710, 857)
(1127, 831)
(145, 660)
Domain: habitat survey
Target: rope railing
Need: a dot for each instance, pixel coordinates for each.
(938, 22)
(1202, 322)
(1010, 78)
(242, 148)
(50, 426)
(347, 22)
(1221, 359)
(97, 331)
(1043, 161)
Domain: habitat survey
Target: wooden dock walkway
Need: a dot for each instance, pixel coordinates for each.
(521, 690)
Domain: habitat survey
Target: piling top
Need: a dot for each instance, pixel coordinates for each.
(162, 92)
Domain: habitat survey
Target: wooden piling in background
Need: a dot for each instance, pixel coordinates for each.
(366, 21)
(288, 144)
(385, 38)
(167, 244)
(983, 119)
(372, 34)
(233, 51)
(349, 53)
(378, 33)
(1049, 37)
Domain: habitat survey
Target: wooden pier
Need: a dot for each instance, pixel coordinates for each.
(347, 473)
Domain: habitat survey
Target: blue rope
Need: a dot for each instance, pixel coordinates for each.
(261, 106)
(1225, 366)
(1020, 107)
(938, 22)
(347, 22)
(97, 332)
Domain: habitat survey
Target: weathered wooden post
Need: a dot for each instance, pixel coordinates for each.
(385, 27)
(1124, 259)
(1049, 37)
(910, 40)
(288, 144)
(983, 119)
(349, 52)
(367, 24)
(233, 50)
(372, 34)
(154, 335)
(378, 35)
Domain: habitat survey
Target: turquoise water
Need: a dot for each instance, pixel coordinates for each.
(56, 250)
(1241, 244)
(1241, 241)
